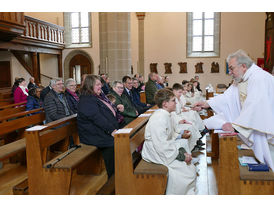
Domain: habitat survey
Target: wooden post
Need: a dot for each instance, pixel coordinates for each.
(35, 68)
(60, 70)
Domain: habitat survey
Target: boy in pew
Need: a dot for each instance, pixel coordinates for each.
(163, 146)
(186, 120)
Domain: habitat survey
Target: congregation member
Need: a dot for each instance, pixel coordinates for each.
(166, 79)
(159, 82)
(163, 146)
(21, 92)
(71, 94)
(15, 85)
(32, 83)
(130, 112)
(105, 83)
(247, 106)
(136, 95)
(33, 100)
(128, 92)
(196, 78)
(44, 92)
(97, 120)
(151, 88)
(55, 102)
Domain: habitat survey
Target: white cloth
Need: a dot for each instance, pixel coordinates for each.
(24, 89)
(161, 147)
(255, 113)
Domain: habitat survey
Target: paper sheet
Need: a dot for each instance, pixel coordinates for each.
(144, 115)
(124, 131)
(248, 160)
(35, 128)
(152, 110)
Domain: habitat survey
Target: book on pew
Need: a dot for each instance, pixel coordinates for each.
(258, 167)
(246, 160)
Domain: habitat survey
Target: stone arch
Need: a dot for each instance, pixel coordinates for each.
(70, 56)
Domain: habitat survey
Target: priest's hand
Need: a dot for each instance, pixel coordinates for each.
(188, 158)
(186, 134)
(228, 127)
(201, 105)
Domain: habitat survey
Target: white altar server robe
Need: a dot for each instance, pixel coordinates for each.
(161, 147)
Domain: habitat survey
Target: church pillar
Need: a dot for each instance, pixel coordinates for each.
(115, 50)
(141, 59)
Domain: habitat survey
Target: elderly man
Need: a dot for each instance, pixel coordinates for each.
(130, 112)
(132, 95)
(55, 103)
(151, 88)
(32, 83)
(247, 106)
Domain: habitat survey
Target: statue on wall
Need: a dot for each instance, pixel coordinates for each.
(214, 67)
(168, 68)
(131, 70)
(183, 67)
(153, 67)
(199, 67)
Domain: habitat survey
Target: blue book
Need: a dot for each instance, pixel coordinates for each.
(258, 167)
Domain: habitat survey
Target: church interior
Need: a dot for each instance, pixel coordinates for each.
(47, 45)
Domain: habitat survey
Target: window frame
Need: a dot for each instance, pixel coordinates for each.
(216, 37)
(68, 31)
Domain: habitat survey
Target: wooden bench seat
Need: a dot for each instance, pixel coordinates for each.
(145, 167)
(80, 172)
(147, 178)
(12, 149)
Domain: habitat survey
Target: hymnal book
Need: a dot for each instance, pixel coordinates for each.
(258, 167)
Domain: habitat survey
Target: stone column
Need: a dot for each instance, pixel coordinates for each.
(141, 58)
(115, 49)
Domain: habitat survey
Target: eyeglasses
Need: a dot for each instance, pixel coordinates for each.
(120, 87)
(231, 68)
(73, 85)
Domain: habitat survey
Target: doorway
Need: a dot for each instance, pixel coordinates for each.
(5, 74)
(78, 66)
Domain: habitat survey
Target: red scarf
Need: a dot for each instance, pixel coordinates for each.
(74, 95)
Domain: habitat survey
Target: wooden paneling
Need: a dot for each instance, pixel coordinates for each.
(11, 25)
(5, 75)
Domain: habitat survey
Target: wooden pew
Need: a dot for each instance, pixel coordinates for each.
(144, 179)
(80, 172)
(234, 179)
(8, 101)
(18, 121)
(12, 109)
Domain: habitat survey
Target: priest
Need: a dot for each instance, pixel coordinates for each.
(248, 106)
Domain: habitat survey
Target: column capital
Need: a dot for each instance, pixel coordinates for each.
(141, 15)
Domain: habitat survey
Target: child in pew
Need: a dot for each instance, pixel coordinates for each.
(120, 108)
(161, 147)
(180, 115)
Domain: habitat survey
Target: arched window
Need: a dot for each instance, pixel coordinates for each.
(77, 29)
(203, 34)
